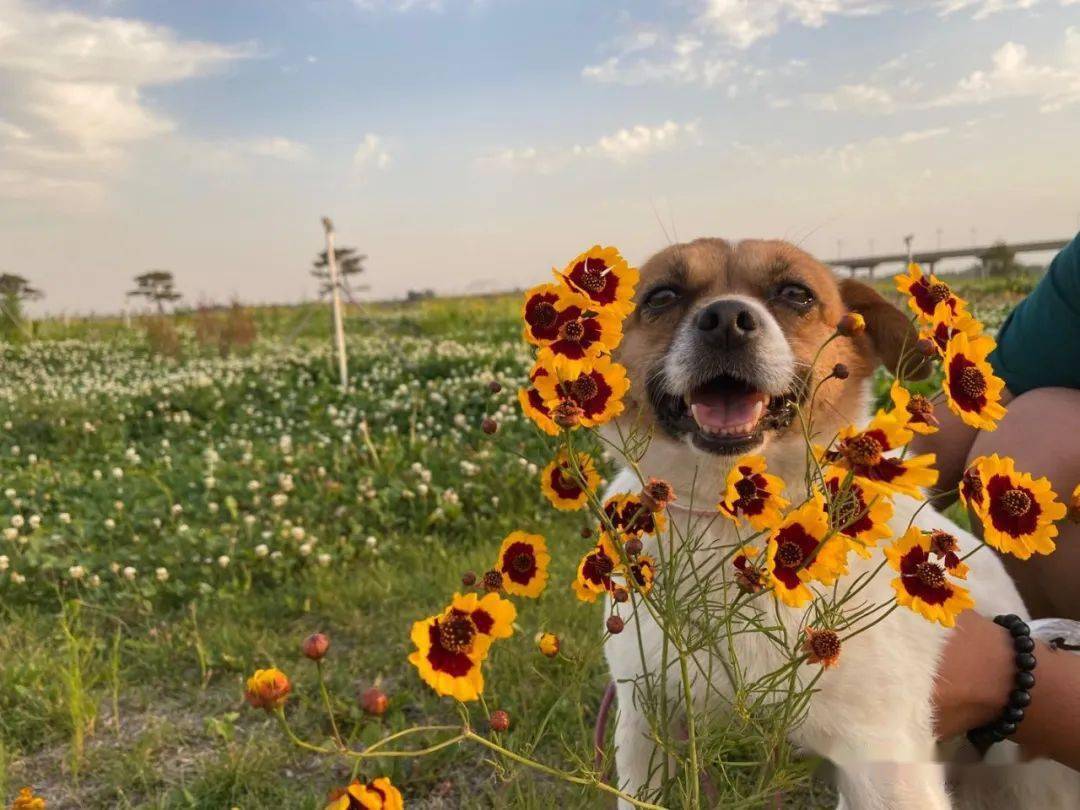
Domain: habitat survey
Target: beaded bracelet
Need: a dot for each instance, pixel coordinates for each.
(1020, 697)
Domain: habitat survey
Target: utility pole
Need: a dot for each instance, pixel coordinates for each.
(907, 245)
(335, 298)
(939, 238)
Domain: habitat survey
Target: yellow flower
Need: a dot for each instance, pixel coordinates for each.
(523, 562)
(604, 277)
(1017, 511)
(798, 553)
(945, 323)
(926, 292)
(863, 452)
(449, 650)
(972, 390)
(913, 411)
(26, 800)
(923, 584)
(268, 689)
(491, 614)
(597, 389)
(859, 514)
(595, 570)
(632, 517)
(561, 486)
(753, 494)
(379, 794)
(532, 402)
(562, 323)
(548, 644)
(643, 572)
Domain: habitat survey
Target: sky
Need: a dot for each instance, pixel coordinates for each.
(471, 145)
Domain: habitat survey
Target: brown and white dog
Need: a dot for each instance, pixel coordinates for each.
(717, 352)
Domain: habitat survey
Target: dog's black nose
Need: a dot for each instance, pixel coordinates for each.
(727, 324)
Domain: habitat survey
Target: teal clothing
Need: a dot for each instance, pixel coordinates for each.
(1039, 343)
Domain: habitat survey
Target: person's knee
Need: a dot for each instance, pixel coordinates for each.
(1053, 407)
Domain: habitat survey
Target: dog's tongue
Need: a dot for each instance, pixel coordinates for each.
(728, 410)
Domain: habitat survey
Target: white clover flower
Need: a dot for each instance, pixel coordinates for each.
(35, 521)
(450, 496)
(110, 524)
(17, 578)
(97, 475)
(88, 427)
(205, 587)
(9, 493)
(32, 458)
(494, 500)
(262, 550)
(161, 574)
(249, 520)
(460, 420)
(297, 533)
(76, 572)
(223, 561)
(209, 482)
(275, 555)
(114, 567)
(279, 499)
(5, 561)
(324, 559)
(17, 521)
(176, 509)
(253, 486)
(118, 506)
(213, 507)
(306, 549)
(183, 528)
(117, 473)
(15, 450)
(422, 489)
(371, 541)
(95, 581)
(129, 572)
(11, 534)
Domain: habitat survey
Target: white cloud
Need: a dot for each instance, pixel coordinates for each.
(744, 22)
(848, 157)
(862, 97)
(411, 5)
(372, 153)
(625, 145)
(986, 8)
(278, 147)
(1013, 75)
(685, 62)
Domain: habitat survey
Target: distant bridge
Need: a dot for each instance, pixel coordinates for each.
(932, 257)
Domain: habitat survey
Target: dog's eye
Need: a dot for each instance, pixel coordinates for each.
(797, 295)
(661, 297)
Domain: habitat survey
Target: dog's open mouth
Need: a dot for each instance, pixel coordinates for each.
(726, 415)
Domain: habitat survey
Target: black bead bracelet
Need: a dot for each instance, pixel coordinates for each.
(1020, 697)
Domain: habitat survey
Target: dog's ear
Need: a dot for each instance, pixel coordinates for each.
(891, 334)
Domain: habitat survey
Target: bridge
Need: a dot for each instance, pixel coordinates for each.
(932, 257)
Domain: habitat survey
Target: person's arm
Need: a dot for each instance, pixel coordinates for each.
(976, 676)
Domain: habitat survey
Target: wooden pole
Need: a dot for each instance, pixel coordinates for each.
(335, 297)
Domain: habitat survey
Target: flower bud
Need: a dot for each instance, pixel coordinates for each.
(851, 324)
(926, 347)
(548, 643)
(494, 387)
(268, 689)
(633, 546)
(567, 414)
(620, 595)
(468, 579)
(1074, 505)
(586, 532)
(615, 625)
(493, 581)
(374, 701)
(840, 371)
(489, 426)
(657, 494)
(499, 720)
(315, 646)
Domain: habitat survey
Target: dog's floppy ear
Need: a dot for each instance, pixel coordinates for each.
(890, 331)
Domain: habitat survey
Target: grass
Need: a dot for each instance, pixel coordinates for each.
(126, 692)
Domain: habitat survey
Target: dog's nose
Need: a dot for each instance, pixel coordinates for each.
(727, 324)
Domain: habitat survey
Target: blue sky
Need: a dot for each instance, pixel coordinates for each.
(471, 144)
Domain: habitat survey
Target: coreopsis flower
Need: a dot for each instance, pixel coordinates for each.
(595, 570)
(643, 572)
(523, 562)
(562, 486)
(913, 411)
(657, 494)
(857, 513)
(602, 275)
(597, 388)
(449, 651)
(268, 689)
(925, 292)
(971, 388)
(491, 615)
(798, 552)
(26, 800)
(748, 575)
(851, 324)
(972, 492)
(532, 403)
(924, 584)
(863, 452)
(752, 494)
(631, 516)
(560, 322)
(548, 644)
(379, 794)
(821, 647)
(1017, 510)
(1074, 505)
(945, 323)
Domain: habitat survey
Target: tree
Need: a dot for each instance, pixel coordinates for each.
(1000, 260)
(157, 286)
(14, 290)
(17, 287)
(349, 263)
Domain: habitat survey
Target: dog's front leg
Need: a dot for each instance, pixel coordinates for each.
(638, 759)
(893, 786)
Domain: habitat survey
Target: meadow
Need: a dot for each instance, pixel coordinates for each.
(178, 512)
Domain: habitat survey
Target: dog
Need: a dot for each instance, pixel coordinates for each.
(717, 351)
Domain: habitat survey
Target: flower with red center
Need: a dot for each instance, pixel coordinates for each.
(523, 561)
(821, 647)
(859, 514)
(643, 572)
(971, 388)
(595, 570)
(379, 794)
(268, 689)
(924, 584)
(565, 488)
(946, 547)
(972, 491)
(1017, 510)
(944, 323)
(926, 292)
(1074, 505)
(566, 329)
(913, 411)
(597, 389)
(798, 552)
(602, 275)
(752, 494)
(632, 517)
(657, 494)
(748, 575)
(863, 453)
(548, 644)
(533, 405)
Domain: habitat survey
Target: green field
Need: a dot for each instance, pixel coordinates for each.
(176, 516)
